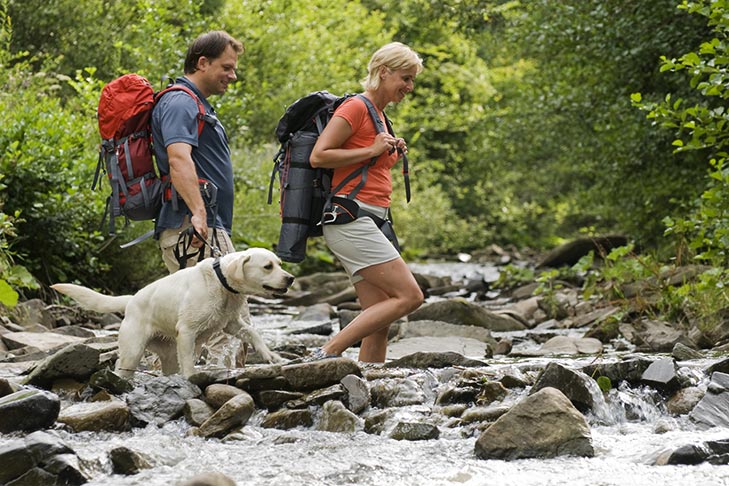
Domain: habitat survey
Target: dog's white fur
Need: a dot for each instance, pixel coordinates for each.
(175, 315)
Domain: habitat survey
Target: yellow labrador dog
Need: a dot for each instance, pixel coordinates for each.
(175, 315)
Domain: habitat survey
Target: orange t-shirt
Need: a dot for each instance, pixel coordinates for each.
(378, 186)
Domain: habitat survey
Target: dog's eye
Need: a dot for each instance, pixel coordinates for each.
(269, 266)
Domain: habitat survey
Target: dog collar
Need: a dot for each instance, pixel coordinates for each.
(221, 277)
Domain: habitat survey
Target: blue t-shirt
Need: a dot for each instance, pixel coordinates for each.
(175, 119)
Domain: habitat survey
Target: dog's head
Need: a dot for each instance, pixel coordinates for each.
(256, 271)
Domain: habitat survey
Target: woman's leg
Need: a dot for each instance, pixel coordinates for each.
(387, 292)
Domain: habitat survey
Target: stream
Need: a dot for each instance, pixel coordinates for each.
(628, 434)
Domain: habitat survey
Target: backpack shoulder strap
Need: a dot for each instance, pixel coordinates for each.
(200, 107)
(381, 127)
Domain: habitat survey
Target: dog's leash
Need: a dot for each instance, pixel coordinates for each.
(184, 243)
(185, 240)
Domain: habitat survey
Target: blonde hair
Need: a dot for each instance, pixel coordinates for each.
(394, 56)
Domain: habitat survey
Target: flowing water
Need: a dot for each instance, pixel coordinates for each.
(624, 429)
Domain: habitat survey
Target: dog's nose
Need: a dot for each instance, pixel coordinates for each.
(289, 280)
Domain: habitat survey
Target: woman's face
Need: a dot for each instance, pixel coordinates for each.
(397, 83)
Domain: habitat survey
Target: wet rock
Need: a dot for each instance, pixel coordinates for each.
(681, 352)
(127, 461)
(433, 360)
(662, 375)
(721, 366)
(316, 313)
(28, 410)
(106, 379)
(375, 422)
(397, 393)
(457, 394)
(288, 419)
(414, 431)
(462, 312)
(358, 393)
(95, 417)
(714, 452)
(711, 410)
(274, 399)
(160, 399)
(503, 347)
(575, 385)
(630, 370)
(422, 328)
(233, 413)
(319, 374)
(544, 424)
(490, 392)
(209, 479)
(657, 336)
(563, 345)
(684, 400)
(217, 394)
(39, 459)
(483, 414)
(196, 411)
(336, 418)
(77, 361)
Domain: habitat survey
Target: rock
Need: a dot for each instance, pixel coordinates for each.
(336, 418)
(319, 374)
(462, 312)
(75, 361)
(127, 462)
(196, 411)
(414, 431)
(681, 352)
(358, 394)
(209, 479)
(684, 400)
(581, 390)
(217, 394)
(44, 341)
(288, 419)
(563, 345)
(28, 410)
(233, 413)
(95, 417)
(543, 425)
(711, 410)
(39, 459)
(160, 399)
(433, 360)
(662, 375)
(630, 370)
(423, 328)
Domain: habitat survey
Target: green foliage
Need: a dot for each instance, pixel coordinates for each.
(700, 127)
(604, 383)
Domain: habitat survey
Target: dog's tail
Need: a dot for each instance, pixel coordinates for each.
(91, 300)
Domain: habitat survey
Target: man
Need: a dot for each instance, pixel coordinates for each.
(199, 167)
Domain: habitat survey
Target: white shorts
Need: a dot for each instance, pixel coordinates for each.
(360, 244)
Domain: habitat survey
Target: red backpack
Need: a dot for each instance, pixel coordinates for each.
(125, 154)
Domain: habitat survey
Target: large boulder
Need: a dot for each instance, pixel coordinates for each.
(543, 425)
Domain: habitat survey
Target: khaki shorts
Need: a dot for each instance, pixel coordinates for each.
(360, 244)
(168, 241)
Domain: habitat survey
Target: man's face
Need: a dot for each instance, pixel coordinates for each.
(218, 72)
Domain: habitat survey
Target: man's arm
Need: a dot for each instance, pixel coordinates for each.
(184, 177)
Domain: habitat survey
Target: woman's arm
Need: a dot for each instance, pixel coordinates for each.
(327, 152)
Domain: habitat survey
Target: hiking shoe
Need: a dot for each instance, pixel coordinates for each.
(318, 354)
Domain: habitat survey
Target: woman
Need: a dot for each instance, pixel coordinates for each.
(384, 284)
